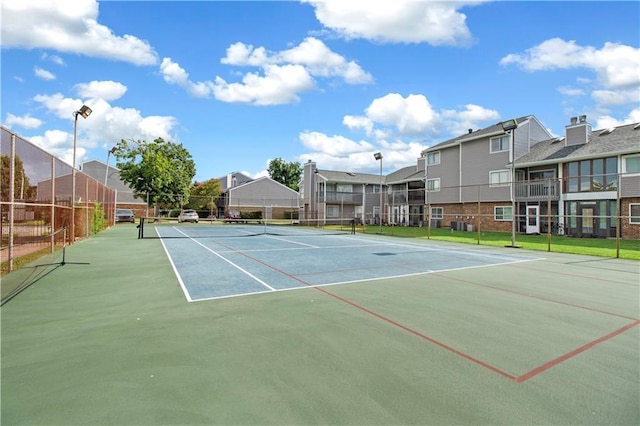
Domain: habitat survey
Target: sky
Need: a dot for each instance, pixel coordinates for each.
(241, 83)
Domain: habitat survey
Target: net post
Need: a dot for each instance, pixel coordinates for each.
(141, 228)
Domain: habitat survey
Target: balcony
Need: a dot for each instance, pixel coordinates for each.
(537, 190)
(333, 197)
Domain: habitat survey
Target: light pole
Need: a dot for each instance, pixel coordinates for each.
(85, 112)
(378, 156)
(511, 126)
(315, 197)
(106, 174)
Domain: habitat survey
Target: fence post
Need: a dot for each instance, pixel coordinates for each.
(549, 216)
(53, 204)
(12, 182)
(478, 216)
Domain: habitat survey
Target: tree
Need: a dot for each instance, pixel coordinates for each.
(203, 195)
(22, 189)
(161, 169)
(284, 172)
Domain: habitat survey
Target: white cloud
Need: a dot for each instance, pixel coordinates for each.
(107, 90)
(340, 153)
(617, 97)
(393, 116)
(616, 65)
(314, 55)
(173, 73)
(399, 21)
(605, 121)
(461, 121)
(59, 144)
(281, 78)
(104, 127)
(398, 126)
(279, 85)
(53, 58)
(26, 121)
(43, 74)
(354, 123)
(334, 145)
(616, 68)
(69, 26)
(570, 91)
(244, 54)
(410, 116)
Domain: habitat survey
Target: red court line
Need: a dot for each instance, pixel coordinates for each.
(585, 276)
(517, 379)
(554, 362)
(532, 296)
(379, 316)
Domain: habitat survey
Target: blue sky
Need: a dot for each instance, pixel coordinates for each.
(241, 83)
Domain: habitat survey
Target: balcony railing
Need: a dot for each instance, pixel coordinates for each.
(340, 197)
(537, 190)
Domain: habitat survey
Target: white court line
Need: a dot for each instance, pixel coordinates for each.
(372, 279)
(244, 271)
(292, 242)
(297, 248)
(175, 270)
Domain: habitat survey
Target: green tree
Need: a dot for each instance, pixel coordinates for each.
(203, 195)
(162, 169)
(287, 173)
(22, 189)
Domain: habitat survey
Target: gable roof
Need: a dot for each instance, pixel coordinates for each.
(226, 181)
(264, 181)
(493, 130)
(405, 174)
(603, 142)
(349, 177)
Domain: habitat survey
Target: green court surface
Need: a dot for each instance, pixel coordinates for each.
(555, 340)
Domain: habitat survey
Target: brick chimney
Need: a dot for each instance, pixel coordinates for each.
(578, 132)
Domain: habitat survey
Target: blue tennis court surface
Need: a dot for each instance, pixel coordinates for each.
(246, 260)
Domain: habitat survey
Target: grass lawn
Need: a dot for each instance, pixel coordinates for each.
(604, 247)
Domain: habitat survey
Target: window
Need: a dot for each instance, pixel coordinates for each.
(634, 213)
(499, 178)
(433, 157)
(632, 164)
(342, 187)
(500, 143)
(333, 211)
(433, 184)
(600, 174)
(503, 213)
(437, 212)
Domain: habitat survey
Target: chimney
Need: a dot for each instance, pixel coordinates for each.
(578, 132)
(470, 131)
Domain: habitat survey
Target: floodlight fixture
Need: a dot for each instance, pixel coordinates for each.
(509, 125)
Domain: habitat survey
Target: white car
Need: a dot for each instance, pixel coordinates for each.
(188, 216)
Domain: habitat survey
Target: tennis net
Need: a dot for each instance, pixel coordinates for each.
(154, 227)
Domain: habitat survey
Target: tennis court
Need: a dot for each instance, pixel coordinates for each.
(214, 261)
(304, 326)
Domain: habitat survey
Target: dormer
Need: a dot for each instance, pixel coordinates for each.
(578, 132)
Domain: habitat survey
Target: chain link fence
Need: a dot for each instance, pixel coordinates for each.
(36, 206)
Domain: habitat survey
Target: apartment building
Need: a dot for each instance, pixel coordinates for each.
(587, 181)
(579, 184)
